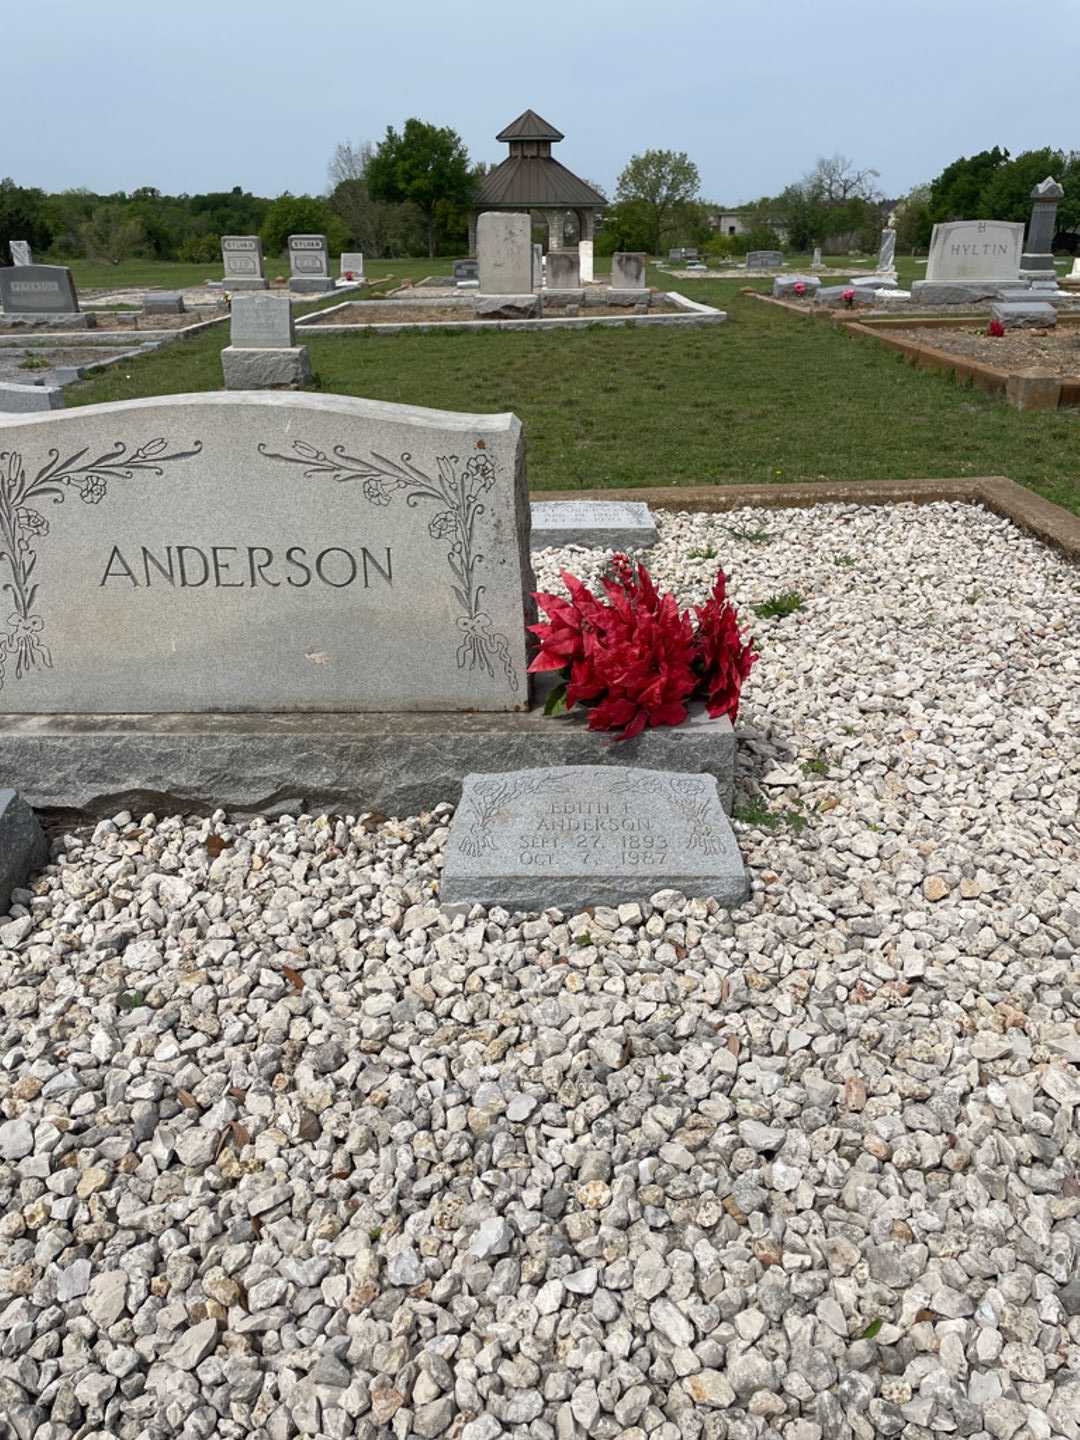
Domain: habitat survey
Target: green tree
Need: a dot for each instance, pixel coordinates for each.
(957, 192)
(912, 221)
(1007, 194)
(425, 165)
(112, 234)
(301, 215)
(660, 181)
(23, 216)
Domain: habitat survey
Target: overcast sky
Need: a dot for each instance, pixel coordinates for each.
(208, 94)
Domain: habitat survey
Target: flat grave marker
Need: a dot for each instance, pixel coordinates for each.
(601, 524)
(579, 835)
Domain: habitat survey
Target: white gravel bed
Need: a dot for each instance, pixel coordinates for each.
(282, 1151)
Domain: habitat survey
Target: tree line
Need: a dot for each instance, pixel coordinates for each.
(411, 193)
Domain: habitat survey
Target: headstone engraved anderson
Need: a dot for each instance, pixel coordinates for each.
(263, 552)
(578, 835)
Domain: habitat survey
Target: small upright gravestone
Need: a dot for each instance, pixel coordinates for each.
(816, 261)
(579, 835)
(504, 253)
(23, 846)
(242, 258)
(351, 263)
(764, 259)
(585, 259)
(21, 254)
(563, 270)
(466, 272)
(886, 261)
(309, 264)
(264, 354)
(628, 270)
(38, 290)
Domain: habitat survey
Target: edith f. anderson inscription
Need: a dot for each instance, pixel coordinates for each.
(204, 557)
(585, 834)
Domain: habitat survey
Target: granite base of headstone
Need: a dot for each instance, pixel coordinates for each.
(562, 299)
(163, 302)
(615, 296)
(507, 307)
(958, 292)
(577, 836)
(877, 281)
(598, 524)
(26, 399)
(284, 369)
(1024, 314)
(23, 846)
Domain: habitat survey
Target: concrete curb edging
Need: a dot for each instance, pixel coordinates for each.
(1050, 523)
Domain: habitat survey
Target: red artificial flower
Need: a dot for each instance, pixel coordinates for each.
(799, 288)
(636, 658)
(997, 329)
(848, 296)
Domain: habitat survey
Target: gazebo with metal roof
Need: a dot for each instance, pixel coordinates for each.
(531, 179)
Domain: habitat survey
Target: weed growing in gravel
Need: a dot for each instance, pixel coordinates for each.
(846, 561)
(755, 812)
(708, 553)
(34, 362)
(816, 765)
(777, 606)
(754, 537)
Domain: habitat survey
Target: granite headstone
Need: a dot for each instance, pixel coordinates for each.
(265, 552)
(1024, 315)
(628, 270)
(23, 846)
(262, 322)
(886, 260)
(504, 253)
(964, 250)
(466, 270)
(580, 835)
(38, 290)
(764, 259)
(21, 254)
(309, 264)
(585, 258)
(1037, 261)
(563, 270)
(242, 257)
(351, 262)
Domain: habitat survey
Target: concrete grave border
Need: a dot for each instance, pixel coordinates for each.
(696, 314)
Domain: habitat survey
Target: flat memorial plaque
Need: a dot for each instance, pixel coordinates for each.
(263, 551)
(600, 524)
(579, 835)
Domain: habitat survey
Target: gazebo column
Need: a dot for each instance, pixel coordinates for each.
(555, 230)
(585, 245)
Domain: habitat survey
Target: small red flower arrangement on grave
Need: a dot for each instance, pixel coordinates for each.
(349, 275)
(848, 296)
(636, 659)
(996, 328)
(799, 288)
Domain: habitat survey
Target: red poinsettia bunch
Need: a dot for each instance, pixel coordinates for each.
(635, 658)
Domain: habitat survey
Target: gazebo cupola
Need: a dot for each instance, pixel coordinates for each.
(530, 178)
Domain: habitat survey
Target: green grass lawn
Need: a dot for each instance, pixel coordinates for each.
(767, 397)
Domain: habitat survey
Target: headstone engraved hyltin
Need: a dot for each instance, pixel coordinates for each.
(21, 254)
(351, 263)
(268, 552)
(309, 263)
(242, 257)
(504, 253)
(975, 250)
(38, 290)
(764, 259)
(1037, 261)
(579, 835)
(599, 524)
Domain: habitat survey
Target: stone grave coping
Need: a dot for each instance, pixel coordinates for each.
(581, 835)
(359, 500)
(600, 524)
(695, 313)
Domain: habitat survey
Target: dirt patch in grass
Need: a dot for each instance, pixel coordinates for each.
(1058, 351)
